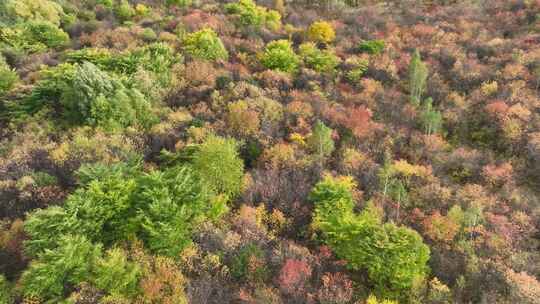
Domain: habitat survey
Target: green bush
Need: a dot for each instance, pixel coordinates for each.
(124, 11)
(319, 60)
(395, 257)
(67, 264)
(74, 260)
(106, 3)
(32, 37)
(373, 47)
(8, 77)
(92, 97)
(45, 33)
(156, 57)
(358, 67)
(35, 10)
(6, 296)
(118, 202)
(174, 200)
(149, 35)
(116, 275)
(248, 13)
(102, 208)
(431, 119)
(217, 161)
(44, 227)
(206, 45)
(279, 55)
(320, 141)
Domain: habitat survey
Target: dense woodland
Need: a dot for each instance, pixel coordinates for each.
(273, 151)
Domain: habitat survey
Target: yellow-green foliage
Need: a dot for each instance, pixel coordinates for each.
(205, 44)
(279, 55)
(248, 13)
(319, 60)
(373, 300)
(35, 10)
(321, 32)
(395, 257)
(8, 77)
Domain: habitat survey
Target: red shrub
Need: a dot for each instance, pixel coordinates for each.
(293, 276)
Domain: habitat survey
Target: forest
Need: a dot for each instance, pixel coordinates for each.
(270, 151)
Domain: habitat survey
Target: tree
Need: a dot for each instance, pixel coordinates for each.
(95, 98)
(279, 55)
(45, 33)
(373, 47)
(319, 60)
(217, 162)
(35, 10)
(6, 295)
(205, 44)
(115, 274)
(430, 118)
(68, 264)
(395, 257)
(124, 11)
(44, 227)
(169, 204)
(8, 77)
(418, 73)
(103, 208)
(320, 141)
(321, 32)
(248, 13)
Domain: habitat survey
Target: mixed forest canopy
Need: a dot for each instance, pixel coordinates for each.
(271, 151)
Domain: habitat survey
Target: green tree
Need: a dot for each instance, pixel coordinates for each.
(124, 11)
(68, 264)
(44, 227)
(320, 141)
(279, 55)
(46, 33)
(218, 163)
(373, 47)
(319, 60)
(205, 44)
(418, 73)
(248, 13)
(395, 257)
(103, 208)
(171, 203)
(115, 274)
(34, 10)
(430, 119)
(95, 98)
(8, 77)
(6, 296)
